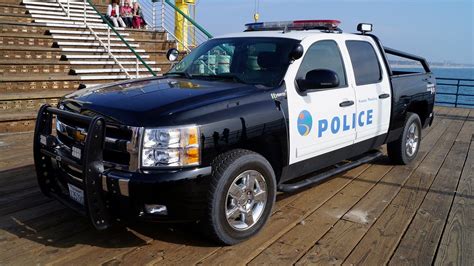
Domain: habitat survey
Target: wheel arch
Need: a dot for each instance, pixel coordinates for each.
(273, 149)
(421, 108)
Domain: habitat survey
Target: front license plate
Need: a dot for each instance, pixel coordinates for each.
(76, 152)
(76, 194)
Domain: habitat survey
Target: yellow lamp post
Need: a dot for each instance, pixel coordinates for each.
(181, 25)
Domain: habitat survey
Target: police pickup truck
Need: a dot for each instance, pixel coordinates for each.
(279, 107)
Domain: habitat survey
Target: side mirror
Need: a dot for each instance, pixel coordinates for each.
(297, 52)
(172, 54)
(318, 79)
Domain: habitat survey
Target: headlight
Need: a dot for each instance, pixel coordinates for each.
(170, 147)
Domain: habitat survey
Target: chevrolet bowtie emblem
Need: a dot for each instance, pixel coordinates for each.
(79, 135)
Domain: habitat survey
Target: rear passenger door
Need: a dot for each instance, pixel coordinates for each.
(372, 89)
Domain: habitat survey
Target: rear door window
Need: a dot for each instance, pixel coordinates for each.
(364, 62)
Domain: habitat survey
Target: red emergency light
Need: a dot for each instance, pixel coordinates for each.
(319, 24)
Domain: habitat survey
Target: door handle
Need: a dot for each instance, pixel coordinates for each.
(346, 103)
(383, 96)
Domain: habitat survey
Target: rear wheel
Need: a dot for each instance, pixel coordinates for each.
(242, 194)
(405, 149)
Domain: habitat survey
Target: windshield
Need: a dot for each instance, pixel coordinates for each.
(247, 60)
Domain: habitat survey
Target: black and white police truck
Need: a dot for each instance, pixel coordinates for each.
(278, 107)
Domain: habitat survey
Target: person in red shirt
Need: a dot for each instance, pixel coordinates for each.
(126, 12)
(138, 20)
(113, 14)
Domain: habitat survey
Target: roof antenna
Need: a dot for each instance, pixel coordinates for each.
(256, 15)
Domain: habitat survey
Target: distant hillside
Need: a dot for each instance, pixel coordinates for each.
(415, 64)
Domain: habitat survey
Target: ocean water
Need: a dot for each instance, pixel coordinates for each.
(462, 73)
(465, 96)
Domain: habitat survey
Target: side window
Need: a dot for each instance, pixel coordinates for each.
(323, 55)
(364, 62)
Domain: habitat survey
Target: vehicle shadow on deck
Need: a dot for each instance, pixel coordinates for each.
(26, 215)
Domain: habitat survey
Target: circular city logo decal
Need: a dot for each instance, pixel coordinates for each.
(305, 122)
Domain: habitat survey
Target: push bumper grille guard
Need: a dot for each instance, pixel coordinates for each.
(91, 163)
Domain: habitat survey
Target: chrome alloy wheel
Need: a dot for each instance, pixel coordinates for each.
(246, 200)
(412, 139)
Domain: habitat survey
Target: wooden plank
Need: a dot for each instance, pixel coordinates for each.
(167, 245)
(332, 248)
(439, 114)
(155, 252)
(18, 186)
(377, 246)
(335, 246)
(23, 216)
(63, 244)
(114, 243)
(16, 175)
(457, 243)
(26, 245)
(293, 244)
(15, 204)
(188, 250)
(280, 222)
(25, 223)
(21, 144)
(160, 242)
(12, 198)
(370, 207)
(420, 241)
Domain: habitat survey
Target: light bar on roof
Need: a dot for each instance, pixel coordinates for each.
(323, 24)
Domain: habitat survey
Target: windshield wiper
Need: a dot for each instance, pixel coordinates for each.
(233, 77)
(182, 74)
(229, 76)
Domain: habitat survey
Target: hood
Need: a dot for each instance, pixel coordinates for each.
(140, 102)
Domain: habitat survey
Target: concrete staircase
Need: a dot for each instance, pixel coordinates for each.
(44, 54)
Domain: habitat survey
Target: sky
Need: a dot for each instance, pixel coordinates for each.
(440, 30)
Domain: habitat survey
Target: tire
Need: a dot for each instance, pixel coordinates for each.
(399, 151)
(234, 169)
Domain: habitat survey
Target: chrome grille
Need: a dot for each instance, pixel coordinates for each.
(119, 142)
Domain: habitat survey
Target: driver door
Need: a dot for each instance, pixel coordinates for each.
(321, 120)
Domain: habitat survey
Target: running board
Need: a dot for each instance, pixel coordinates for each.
(370, 156)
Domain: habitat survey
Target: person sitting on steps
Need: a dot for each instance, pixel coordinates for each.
(113, 14)
(126, 13)
(138, 21)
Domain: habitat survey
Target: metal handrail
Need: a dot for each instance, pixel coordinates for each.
(160, 16)
(97, 37)
(110, 27)
(107, 46)
(457, 83)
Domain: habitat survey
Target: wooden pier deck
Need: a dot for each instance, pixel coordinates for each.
(378, 213)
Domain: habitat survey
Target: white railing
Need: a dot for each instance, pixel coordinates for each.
(160, 15)
(106, 45)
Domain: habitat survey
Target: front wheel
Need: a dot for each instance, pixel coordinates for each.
(405, 149)
(242, 194)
